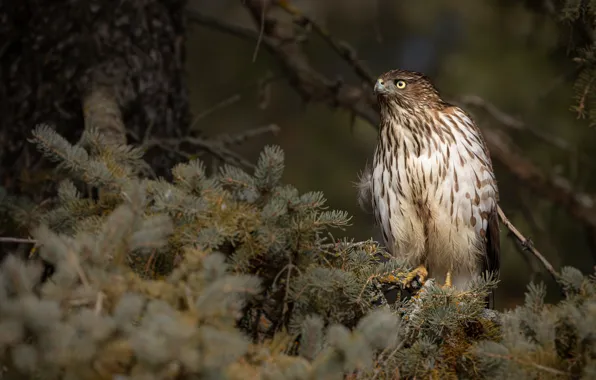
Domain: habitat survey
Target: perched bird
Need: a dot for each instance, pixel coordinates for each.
(432, 186)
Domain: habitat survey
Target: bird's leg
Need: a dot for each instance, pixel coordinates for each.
(448, 283)
(419, 272)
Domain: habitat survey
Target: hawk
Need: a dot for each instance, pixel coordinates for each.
(432, 186)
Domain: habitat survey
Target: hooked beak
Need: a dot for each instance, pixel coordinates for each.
(380, 87)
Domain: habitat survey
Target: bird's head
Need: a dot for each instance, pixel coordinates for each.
(406, 89)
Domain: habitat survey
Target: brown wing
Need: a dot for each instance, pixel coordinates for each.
(492, 261)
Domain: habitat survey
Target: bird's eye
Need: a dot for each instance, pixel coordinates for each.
(399, 83)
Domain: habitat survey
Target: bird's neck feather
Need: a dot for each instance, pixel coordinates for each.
(411, 129)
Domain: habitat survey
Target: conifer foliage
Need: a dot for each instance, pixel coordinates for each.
(235, 275)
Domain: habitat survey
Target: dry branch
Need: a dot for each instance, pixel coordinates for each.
(282, 41)
(527, 244)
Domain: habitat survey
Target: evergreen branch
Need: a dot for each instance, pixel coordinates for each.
(528, 245)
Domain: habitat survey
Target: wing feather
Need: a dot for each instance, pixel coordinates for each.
(492, 260)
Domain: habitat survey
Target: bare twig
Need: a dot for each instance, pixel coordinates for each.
(511, 122)
(8, 239)
(342, 48)
(528, 244)
(239, 138)
(216, 148)
(216, 24)
(344, 245)
(99, 303)
(527, 363)
(220, 105)
(283, 43)
(234, 98)
(261, 32)
(73, 259)
(554, 187)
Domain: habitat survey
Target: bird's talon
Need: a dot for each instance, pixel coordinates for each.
(448, 283)
(419, 272)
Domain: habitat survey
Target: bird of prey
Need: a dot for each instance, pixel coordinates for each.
(432, 186)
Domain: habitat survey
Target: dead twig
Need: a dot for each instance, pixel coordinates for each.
(8, 239)
(342, 48)
(239, 138)
(234, 98)
(283, 43)
(216, 24)
(511, 122)
(528, 245)
(220, 105)
(99, 303)
(261, 33)
(213, 147)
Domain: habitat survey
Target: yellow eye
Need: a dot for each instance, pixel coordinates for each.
(400, 84)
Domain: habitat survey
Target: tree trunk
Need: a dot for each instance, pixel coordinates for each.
(57, 58)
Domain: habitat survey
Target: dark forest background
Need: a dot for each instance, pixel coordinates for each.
(214, 71)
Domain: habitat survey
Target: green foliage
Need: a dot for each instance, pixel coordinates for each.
(547, 341)
(578, 19)
(232, 275)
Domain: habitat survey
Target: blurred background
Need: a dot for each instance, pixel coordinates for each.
(513, 64)
(504, 52)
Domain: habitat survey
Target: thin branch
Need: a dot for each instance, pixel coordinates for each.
(216, 24)
(239, 138)
(8, 239)
(283, 42)
(553, 187)
(528, 244)
(99, 303)
(218, 106)
(261, 32)
(232, 99)
(527, 363)
(513, 123)
(342, 48)
(216, 148)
